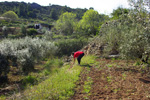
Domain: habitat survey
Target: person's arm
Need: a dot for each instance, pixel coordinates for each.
(72, 63)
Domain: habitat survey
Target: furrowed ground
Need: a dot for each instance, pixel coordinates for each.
(107, 79)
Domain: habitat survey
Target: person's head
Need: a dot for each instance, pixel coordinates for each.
(72, 53)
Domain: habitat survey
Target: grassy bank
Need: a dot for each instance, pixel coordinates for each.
(60, 84)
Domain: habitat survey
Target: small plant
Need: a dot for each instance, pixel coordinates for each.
(124, 76)
(116, 90)
(109, 79)
(109, 66)
(29, 80)
(137, 63)
(46, 72)
(113, 59)
(87, 87)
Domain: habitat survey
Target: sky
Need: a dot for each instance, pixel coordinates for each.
(102, 6)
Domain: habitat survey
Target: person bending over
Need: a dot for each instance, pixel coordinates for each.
(78, 55)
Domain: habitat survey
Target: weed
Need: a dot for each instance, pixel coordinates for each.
(2, 97)
(46, 72)
(58, 86)
(109, 79)
(137, 63)
(29, 80)
(87, 87)
(124, 76)
(116, 90)
(108, 65)
(113, 59)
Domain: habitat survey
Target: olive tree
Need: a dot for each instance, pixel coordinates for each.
(25, 52)
(128, 35)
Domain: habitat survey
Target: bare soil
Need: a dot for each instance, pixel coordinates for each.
(114, 80)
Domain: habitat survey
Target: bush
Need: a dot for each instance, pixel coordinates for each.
(4, 65)
(129, 35)
(31, 31)
(29, 80)
(27, 51)
(23, 30)
(5, 31)
(66, 47)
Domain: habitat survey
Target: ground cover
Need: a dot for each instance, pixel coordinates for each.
(94, 79)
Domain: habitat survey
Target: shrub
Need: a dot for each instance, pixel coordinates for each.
(5, 31)
(29, 80)
(48, 35)
(129, 35)
(27, 51)
(23, 30)
(10, 14)
(65, 47)
(31, 31)
(4, 65)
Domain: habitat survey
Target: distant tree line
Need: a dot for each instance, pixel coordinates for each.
(34, 10)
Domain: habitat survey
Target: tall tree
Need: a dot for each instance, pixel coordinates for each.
(66, 23)
(10, 14)
(53, 14)
(90, 22)
(118, 12)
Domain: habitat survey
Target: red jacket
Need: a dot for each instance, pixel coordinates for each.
(76, 54)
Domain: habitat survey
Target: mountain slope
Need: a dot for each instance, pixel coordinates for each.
(34, 10)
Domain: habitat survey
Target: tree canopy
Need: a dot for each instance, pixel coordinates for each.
(90, 22)
(34, 10)
(118, 12)
(10, 14)
(66, 23)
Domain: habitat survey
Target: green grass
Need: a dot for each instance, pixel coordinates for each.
(57, 82)
(60, 85)
(88, 60)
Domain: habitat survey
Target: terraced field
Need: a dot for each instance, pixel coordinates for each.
(113, 80)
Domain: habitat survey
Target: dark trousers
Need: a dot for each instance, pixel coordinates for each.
(79, 58)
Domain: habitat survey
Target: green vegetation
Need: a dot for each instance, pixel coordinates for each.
(66, 23)
(34, 10)
(64, 30)
(25, 52)
(66, 47)
(123, 36)
(90, 22)
(60, 85)
(10, 14)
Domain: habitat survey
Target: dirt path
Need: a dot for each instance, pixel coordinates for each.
(113, 80)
